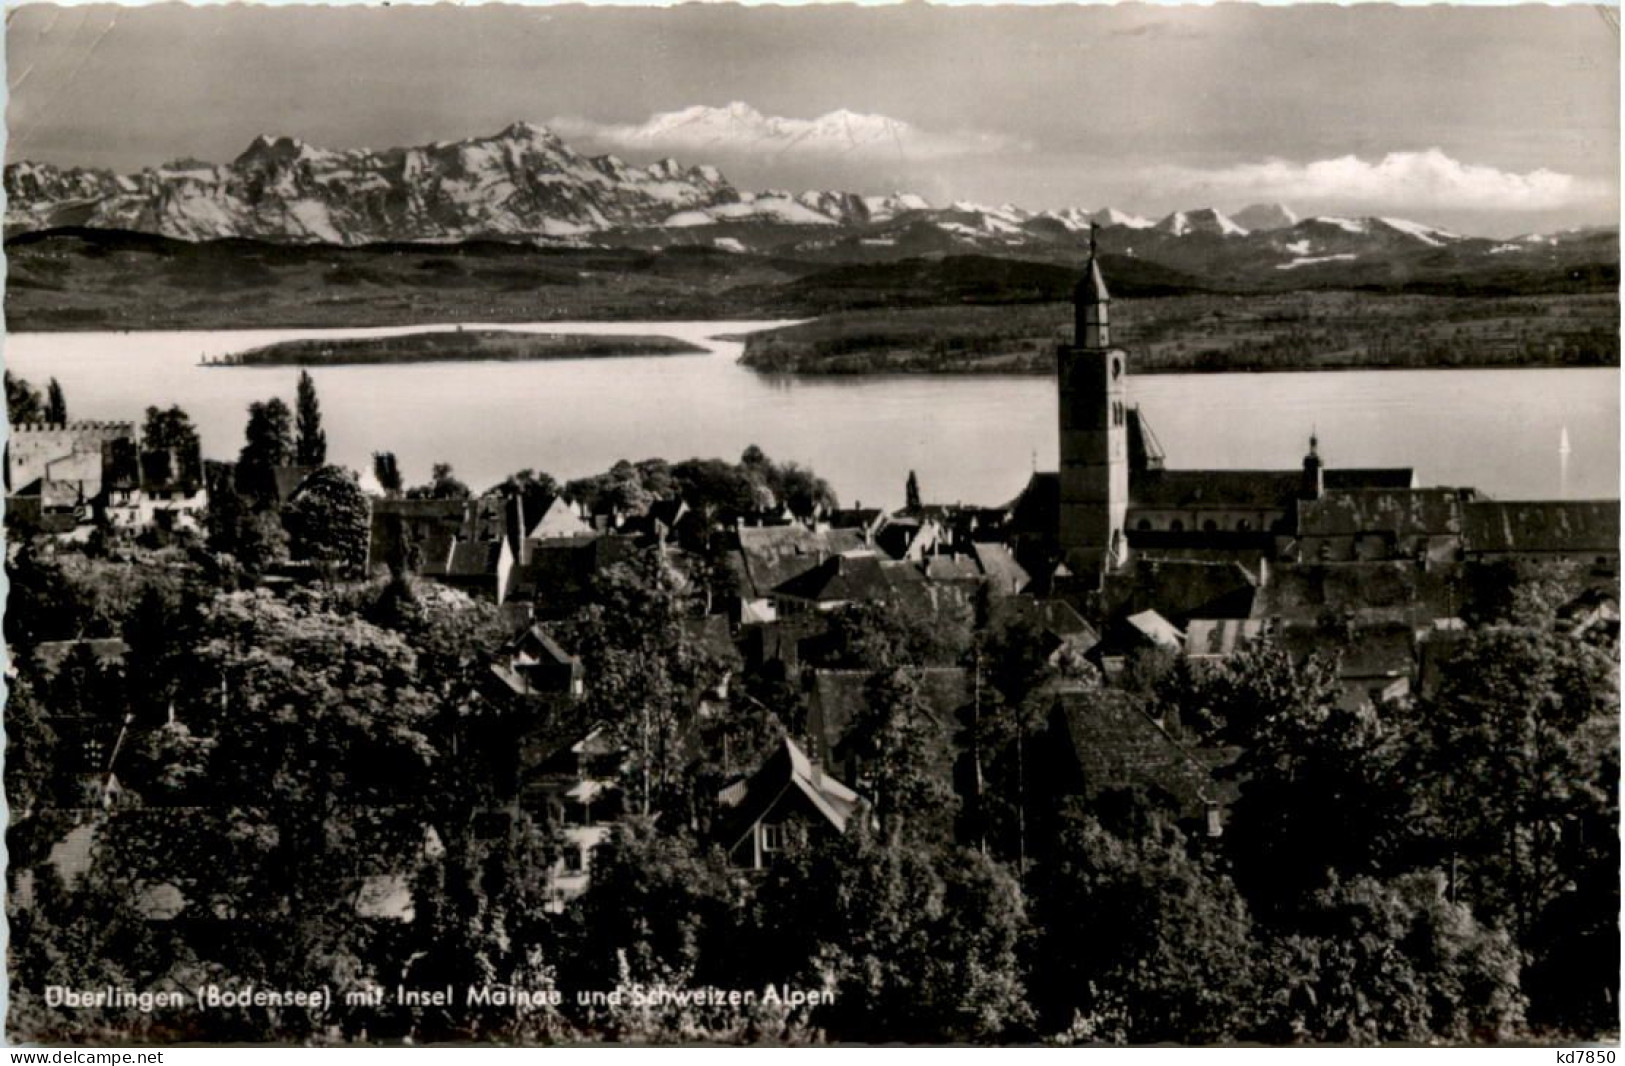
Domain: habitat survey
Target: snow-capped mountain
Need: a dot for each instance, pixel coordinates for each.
(524, 180)
(1260, 218)
(1204, 220)
(526, 183)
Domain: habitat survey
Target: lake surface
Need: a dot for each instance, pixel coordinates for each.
(971, 439)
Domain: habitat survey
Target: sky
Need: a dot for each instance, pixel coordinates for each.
(1492, 121)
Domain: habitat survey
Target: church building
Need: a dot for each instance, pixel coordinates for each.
(1114, 499)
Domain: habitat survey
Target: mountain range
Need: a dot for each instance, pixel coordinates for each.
(527, 184)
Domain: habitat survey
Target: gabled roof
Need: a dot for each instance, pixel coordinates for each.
(53, 493)
(1496, 526)
(534, 646)
(289, 478)
(1156, 629)
(840, 579)
(773, 555)
(559, 519)
(1116, 745)
(1000, 566)
(787, 770)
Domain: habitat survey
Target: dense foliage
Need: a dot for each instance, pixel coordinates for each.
(314, 788)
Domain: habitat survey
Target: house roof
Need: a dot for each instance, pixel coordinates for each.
(534, 646)
(1183, 588)
(748, 801)
(711, 633)
(1117, 745)
(1369, 652)
(559, 519)
(1056, 617)
(1000, 566)
(473, 559)
(952, 567)
(855, 518)
(53, 492)
(1221, 636)
(842, 697)
(1495, 526)
(773, 555)
(840, 579)
(289, 478)
(1157, 629)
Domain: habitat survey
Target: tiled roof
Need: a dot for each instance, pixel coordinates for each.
(1494, 526)
(1402, 512)
(1115, 745)
(840, 578)
(842, 696)
(775, 554)
(1000, 566)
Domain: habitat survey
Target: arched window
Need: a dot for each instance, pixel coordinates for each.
(1242, 525)
(1143, 524)
(1176, 526)
(1117, 368)
(1210, 526)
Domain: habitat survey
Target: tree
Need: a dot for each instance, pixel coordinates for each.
(535, 491)
(268, 445)
(1141, 940)
(917, 943)
(172, 430)
(1516, 761)
(23, 402)
(1321, 785)
(912, 494)
(804, 492)
(329, 521)
(648, 674)
(56, 404)
(443, 485)
(311, 448)
(1386, 962)
(906, 766)
(388, 473)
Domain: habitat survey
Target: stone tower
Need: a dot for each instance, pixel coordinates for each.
(1094, 435)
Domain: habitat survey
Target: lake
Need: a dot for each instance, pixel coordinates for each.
(971, 439)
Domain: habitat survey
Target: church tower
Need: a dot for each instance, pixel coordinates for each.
(1094, 436)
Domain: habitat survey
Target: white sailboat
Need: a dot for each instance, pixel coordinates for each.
(1563, 450)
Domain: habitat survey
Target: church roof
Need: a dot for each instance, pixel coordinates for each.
(1402, 512)
(1092, 286)
(1260, 489)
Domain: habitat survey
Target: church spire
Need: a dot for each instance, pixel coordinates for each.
(1090, 303)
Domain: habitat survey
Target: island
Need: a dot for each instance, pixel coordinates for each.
(1208, 333)
(462, 345)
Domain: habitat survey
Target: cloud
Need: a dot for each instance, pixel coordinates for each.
(1429, 179)
(740, 128)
